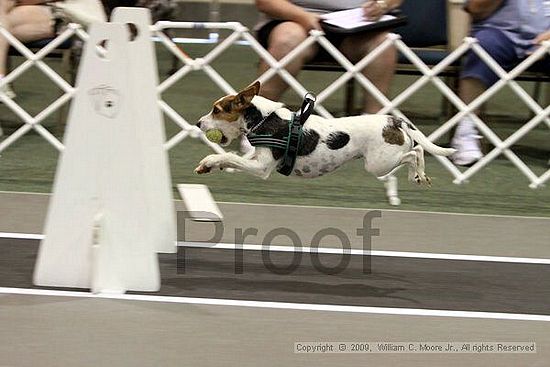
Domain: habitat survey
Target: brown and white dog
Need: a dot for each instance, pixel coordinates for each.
(384, 142)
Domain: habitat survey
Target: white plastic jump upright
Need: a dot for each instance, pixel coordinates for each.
(150, 125)
(112, 207)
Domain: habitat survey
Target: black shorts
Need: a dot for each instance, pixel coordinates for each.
(264, 32)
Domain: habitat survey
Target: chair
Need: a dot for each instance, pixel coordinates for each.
(427, 34)
(425, 31)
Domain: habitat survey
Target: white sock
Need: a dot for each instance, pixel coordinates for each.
(466, 126)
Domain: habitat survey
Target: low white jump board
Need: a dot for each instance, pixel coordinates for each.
(199, 202)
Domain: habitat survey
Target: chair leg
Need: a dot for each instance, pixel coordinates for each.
(536, 96)
(547, 94)
(175, 60)
(67, 75)
(8, 68)
(447, 108)
(175, 65)
(350, 96)
(8, 64)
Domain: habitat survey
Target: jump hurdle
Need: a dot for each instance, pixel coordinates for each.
(112, 209)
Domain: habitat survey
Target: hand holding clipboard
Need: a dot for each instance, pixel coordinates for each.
(374, 10)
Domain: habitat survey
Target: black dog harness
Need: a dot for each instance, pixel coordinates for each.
(291, 143)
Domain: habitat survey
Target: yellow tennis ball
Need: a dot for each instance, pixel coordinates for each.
(214, 135)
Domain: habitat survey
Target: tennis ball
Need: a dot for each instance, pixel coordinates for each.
(214, 135)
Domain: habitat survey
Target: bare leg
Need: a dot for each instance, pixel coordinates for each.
(411, 160)
(5, 7)
(380, 71)
(283, 39)
(470, 89)
(26, 23)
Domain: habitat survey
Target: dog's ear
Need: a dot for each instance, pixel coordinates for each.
(255, 86)
(245, 96)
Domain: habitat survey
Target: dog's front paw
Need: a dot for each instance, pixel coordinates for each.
(209, 162)
(202, 169)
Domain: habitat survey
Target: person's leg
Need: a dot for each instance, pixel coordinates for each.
(283, 39)
(475, 78)
(26, 23)
(31, 23)
(380, 71)
(5, 8)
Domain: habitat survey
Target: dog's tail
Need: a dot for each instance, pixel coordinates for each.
(424, 142)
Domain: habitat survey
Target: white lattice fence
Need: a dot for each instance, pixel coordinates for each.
(354, 71)
(36, 59)
(35, 122)
(241, 33)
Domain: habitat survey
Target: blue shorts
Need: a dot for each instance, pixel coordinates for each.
(502, 50)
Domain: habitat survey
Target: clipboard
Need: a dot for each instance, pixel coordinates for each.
(398, 21)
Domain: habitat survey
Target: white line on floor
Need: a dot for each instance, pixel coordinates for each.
(21, 236)
(280, 305)
(504, 216)
(339, 251)
(334, 251)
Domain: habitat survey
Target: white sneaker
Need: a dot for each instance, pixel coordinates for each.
(466, 143)
(6, 89)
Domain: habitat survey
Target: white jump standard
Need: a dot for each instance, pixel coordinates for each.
(112, 209)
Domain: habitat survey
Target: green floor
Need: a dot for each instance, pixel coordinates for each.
(500, 188)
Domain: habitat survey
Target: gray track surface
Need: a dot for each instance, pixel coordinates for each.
(52, 331)
(59, 331)
(386, 282)
(399, 230)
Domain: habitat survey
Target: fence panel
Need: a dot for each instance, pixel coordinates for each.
(239, 33)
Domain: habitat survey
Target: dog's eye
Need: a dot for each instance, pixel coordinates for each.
(216, 110)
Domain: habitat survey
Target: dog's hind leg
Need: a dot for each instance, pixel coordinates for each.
(411, 160)
(421, 166)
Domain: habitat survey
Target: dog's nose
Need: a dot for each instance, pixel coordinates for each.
(198, 124)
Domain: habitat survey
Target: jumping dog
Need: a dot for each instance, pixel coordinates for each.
(384, 142)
